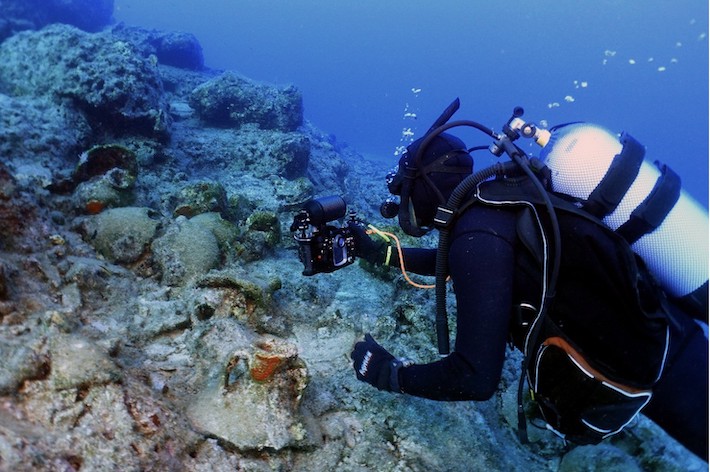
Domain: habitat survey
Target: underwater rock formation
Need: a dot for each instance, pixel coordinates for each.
(32, 126)
(186, 250)
(105, 78)
(252, 402)
(121, 234)
(153, 315)
(231, 100)
(171, 48)
(104, 177)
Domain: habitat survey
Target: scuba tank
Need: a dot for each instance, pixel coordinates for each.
(641, 201)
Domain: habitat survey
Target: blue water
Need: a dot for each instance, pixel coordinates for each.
(362, 65)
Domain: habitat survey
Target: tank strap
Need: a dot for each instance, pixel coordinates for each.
(695, 303)
(651, 212)
(618, 178)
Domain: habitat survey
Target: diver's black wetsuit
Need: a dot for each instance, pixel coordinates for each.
(482, 268)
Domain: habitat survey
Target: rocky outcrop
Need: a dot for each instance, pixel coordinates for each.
(32, 126)
(117, 89)
(231, 100)
(171, 48)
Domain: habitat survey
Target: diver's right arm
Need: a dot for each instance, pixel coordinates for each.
(482, 268)
(417, 260)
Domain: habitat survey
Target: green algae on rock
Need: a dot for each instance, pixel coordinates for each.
(201, 197)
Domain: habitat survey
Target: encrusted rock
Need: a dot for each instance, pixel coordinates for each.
(266, 154)
(116, 88)
(31, 126)
(122, 234)
(7, 183)
(600, 458)
(252, 401)
(232, 100)
(172, 48)
(256, 152)
(25, 358)
(263, 232)
(201, 197)
(179, 49)
(187, 249)
(156, 317)
(20, 229)
(92, 275)
(77, 362)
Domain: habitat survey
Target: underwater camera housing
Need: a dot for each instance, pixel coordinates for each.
(323, 247)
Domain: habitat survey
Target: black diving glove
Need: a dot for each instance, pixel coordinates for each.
(374, 365)
(372, 250)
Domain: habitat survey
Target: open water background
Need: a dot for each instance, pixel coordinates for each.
(366, 66)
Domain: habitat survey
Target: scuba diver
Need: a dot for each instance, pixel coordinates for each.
(604, 314)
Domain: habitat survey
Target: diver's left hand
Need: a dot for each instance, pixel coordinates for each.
(370, 249)
(372, 363)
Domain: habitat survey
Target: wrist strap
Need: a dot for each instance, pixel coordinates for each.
(395, 366)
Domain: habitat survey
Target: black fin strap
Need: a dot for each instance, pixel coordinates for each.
(651, 212)
(618, 178)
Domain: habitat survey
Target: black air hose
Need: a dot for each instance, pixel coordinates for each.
(442, 254)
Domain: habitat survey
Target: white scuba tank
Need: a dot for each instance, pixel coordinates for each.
(583, 155)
